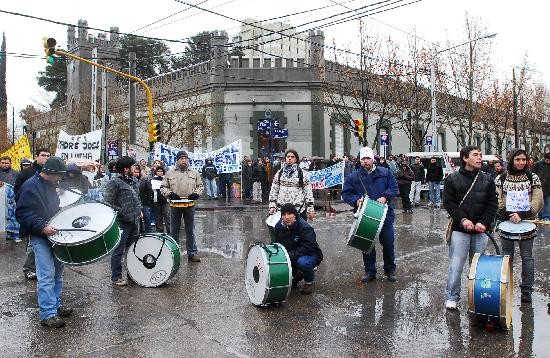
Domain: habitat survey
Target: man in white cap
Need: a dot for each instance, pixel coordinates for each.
(380, 185)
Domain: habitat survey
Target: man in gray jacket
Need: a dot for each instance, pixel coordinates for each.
(122, 193)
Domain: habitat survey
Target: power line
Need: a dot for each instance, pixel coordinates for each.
(166, 17)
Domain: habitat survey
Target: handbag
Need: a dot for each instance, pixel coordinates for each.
(449, 230)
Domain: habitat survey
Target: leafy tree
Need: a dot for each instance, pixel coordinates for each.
(54, 79)
(198, 50)
(152, 56)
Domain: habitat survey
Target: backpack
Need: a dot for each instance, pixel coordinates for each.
(300, 177)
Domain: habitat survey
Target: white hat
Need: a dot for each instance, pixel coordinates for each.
(366, 152)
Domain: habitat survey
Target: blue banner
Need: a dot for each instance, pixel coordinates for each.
(328, 177)
(12, 226)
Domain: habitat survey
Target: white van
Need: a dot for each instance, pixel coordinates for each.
(450, 162)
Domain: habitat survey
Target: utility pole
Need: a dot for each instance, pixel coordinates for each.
(516, 122)
(105, 111)
(132, 133)
(93, 99)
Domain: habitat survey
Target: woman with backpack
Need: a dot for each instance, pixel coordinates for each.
(291, 185)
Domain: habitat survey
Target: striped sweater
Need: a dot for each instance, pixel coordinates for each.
(519, 182)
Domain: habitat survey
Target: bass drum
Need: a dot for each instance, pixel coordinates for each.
(153, 259)
(67, 198)
(87, 233)
(367, 225)
(268, 274)
(491, 290)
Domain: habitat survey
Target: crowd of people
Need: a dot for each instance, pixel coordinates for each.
(157, 198)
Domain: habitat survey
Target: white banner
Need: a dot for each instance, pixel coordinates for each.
(79, 149)
(325, 178)
(226, 159)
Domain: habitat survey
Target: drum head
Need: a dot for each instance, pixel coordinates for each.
(165, 264)
(67, 198)
(358, 215)
(273, 219)
(84, 221)
(519, 228)
(257, 275)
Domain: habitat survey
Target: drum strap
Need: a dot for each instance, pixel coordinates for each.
(269, 252)
(154, 259)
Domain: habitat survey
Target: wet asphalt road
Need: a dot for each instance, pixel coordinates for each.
(205, 311)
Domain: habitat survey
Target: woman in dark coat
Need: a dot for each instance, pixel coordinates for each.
(405, 177)
(248, 174)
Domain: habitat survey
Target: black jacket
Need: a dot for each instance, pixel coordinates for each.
(146, 191)
(434, 172)
(24, 175)
(248, 174)
(299, 240)
(209, 170)
(543, 171)
(481, 204)
(419, 173)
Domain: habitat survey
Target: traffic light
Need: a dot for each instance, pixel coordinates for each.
(154, 132)
(49, 48)
(358, 128)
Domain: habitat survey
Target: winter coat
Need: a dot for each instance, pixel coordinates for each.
(299, 240)
(419, 172)
(8, 176)
(520, 182)
(157, 196)
(434, 172)
(378, 183)
(481, 204)
(542, 169)
(77, 181)
(209, 170)
(404, 177)
(24, 175)
(248, 173)
(182, 183)
(288, 190)
(259, 173)
(38, 202)
(124, 198)
(145, 191)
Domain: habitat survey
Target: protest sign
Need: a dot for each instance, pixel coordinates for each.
(79, 149)
(18, 151)
(328, 177)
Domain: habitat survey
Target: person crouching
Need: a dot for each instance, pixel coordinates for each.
(299, 239)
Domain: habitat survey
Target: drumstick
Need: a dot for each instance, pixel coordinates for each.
(76, 230)
(538, 222)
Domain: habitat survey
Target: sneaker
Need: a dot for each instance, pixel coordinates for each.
(450, 305)
(30, 275)
(430, 205)
(368, 277)
(193, 258)
(526, 297)
(390, 276)
(438, 205)
(120, 282)
(53, 322)
(307, 288)
(63, 311)
(297, 278)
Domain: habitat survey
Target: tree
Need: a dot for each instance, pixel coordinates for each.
(152, 56)
(197, 51)
(54, 79)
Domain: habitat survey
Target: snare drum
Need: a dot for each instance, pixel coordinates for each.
(153, 259)
(520, 231)
(490, 290)
(87, 233)
(268, 274)
(181, 203)
(367, 225)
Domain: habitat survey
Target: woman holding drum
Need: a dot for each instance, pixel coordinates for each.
(519, 198)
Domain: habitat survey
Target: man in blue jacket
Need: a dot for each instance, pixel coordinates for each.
(298, 238)
(380, 185)
(38, 202)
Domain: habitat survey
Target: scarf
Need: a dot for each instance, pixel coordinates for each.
(289, 170)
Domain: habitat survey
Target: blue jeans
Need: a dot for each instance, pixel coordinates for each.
(527, 261)
(386, 239)
(147, 218)
(129, 234)
(435, 192)
(462, 245)
(545, 213)
(189, 222)
(211, 188)
(306, 264)
(49, 271)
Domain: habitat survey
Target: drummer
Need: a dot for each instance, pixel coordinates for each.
(38, 203)
(519, 198)
(380, 185)
(298, 238)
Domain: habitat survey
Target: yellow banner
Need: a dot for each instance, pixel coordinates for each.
(21, 149)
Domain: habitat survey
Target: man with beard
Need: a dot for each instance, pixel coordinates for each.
(183, 183)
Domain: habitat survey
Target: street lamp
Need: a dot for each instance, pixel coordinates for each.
(432, 74)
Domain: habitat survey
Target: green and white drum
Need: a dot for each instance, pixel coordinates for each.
(67, 197)
(87, 233)
(153, 259)
(367, 225)
(268, 274)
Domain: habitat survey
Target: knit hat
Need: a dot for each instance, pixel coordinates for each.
(54, 165)
(366, 152)
(124, 162)
(289, 209)
(181, 154)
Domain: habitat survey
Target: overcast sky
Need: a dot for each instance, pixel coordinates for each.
(519, 26)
